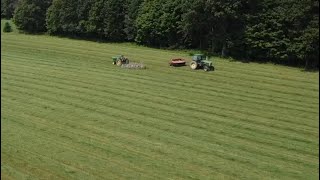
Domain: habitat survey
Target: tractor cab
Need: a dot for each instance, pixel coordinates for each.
(199, 57)
(201, 61)
(119, 60)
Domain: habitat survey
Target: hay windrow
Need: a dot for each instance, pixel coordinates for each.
(133, 65)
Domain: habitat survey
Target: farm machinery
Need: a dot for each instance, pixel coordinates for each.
(119, 60)
(201, 61)
(123, 62)
(177, 62)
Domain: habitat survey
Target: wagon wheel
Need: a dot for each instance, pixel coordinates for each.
(193, 65)
(119, 63)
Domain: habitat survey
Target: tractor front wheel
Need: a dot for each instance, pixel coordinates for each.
(193, 65)
(119, 63)
(206, 68)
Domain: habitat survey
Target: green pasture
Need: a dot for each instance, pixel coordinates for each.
(68, 113)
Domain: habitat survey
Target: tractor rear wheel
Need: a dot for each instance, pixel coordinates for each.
(119, 62)
(193, 65)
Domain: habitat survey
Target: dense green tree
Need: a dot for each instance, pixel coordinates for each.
(225, 23)
(132, 10)
(158, 23)
(304, 34)
(284, 31)
(7, 8)
(212, 23)
(194, 24)
(106, 19)
(29, 15)
(68, 17)
(7, 27)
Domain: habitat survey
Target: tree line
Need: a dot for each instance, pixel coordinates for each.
(282, 31)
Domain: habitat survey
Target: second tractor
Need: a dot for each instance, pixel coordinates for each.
(119, 60)
(201, 61)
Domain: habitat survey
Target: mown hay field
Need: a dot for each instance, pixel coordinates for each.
(68, 113)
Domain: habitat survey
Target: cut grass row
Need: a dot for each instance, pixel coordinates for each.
(232, 73)
(213, 92)
(67, 113)
(236, 92)
(88, 100)
(202, 149)
(186, 106)
(250, 90)
(190, 106)
(81, 49)
(137, 94)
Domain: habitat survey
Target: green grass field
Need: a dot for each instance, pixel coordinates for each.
(68, 113)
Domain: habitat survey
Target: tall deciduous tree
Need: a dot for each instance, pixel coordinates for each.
(158, 23)
(284, 31)
(30, 15)
(132, 11)
(106, 19)
(213, 23)
(7, 8)
(68, 17)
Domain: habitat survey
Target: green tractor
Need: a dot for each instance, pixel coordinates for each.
(201, 61)
(119, 60)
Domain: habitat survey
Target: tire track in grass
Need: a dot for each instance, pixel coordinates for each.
(60, 78)
(95, 50)
(142, 97)
(242, 80)
(82, 135)
(234, 71)
(12, 173)
(116, 99)
(85, 153)
(231, 158)
(146, 100)
(30, 171)
(291, 117)
(60, 162)
(221, 92)
(261, 85)
(224, 82)
(259, 95)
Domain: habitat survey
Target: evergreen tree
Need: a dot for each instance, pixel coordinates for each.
(7, 27)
